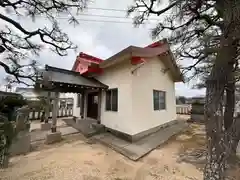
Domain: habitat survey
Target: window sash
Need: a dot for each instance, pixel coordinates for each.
(159, 100)
(108, 100)
(162, 100)
(155, 100)
(112, 100)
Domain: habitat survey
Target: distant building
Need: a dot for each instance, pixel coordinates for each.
(31, 94)
(200, 99)
(27, 93)
(65, 99)
(4, 94)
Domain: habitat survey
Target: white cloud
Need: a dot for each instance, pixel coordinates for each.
(98, 38)
(185, 90)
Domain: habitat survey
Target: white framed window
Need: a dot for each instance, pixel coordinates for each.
(159, 100)
(112, 100)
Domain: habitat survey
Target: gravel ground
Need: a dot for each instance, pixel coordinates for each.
(36, 124)
(79, 160)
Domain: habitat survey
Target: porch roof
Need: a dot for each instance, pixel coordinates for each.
(62, 80)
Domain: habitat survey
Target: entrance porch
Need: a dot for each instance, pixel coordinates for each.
(90, 105)
(64, 81)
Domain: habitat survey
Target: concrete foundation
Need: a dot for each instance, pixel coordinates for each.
(78, 121)
(138, 149)
(22, 144)
(138, 136)
(100, 128)
(53, 137)
(87, 127)
(45, 126)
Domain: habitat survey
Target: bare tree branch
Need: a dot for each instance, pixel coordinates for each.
(20, 47)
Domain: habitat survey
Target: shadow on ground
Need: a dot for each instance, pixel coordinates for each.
(77, 157)
(193, 149)
(40, 145)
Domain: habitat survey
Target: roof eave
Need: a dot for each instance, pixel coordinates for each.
(178, 75)
(173, 70)
(179, 79)
(64, 71)
(117, 58)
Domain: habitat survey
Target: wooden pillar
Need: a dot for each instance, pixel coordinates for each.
(85, 101)
(99, 106)
(55, 112)
(82, 105)
(47, 108)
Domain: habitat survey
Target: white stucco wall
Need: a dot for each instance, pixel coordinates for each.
(135, 96)
(118, 77)
(145, 79)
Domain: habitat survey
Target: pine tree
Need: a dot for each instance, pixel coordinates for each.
(18, 45)
(205, 31)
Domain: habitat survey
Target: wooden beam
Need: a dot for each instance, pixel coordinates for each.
(99, 106)
(63, 87)
(82, 104)
(47, 108)
(85, 101)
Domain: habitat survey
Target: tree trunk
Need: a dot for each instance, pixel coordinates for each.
(215, 166)
(229, 121)
(230, 102)
(235, 142)
(218, 141)
(235, 133)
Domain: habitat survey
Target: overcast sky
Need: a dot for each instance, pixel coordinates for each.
(101, 39)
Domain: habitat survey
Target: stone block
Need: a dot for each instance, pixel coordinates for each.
(22, 144)
(45, 126)
(78, 121)
(74, 118)
(53, 137)
(100, 128)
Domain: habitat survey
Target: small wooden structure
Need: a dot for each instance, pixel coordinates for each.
(60, 80)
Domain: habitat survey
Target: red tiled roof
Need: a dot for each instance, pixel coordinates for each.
(96, 60)
(136, 53)
(87, 58)
(90, 58)
(156, 44)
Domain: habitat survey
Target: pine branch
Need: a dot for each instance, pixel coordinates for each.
(19, 47)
